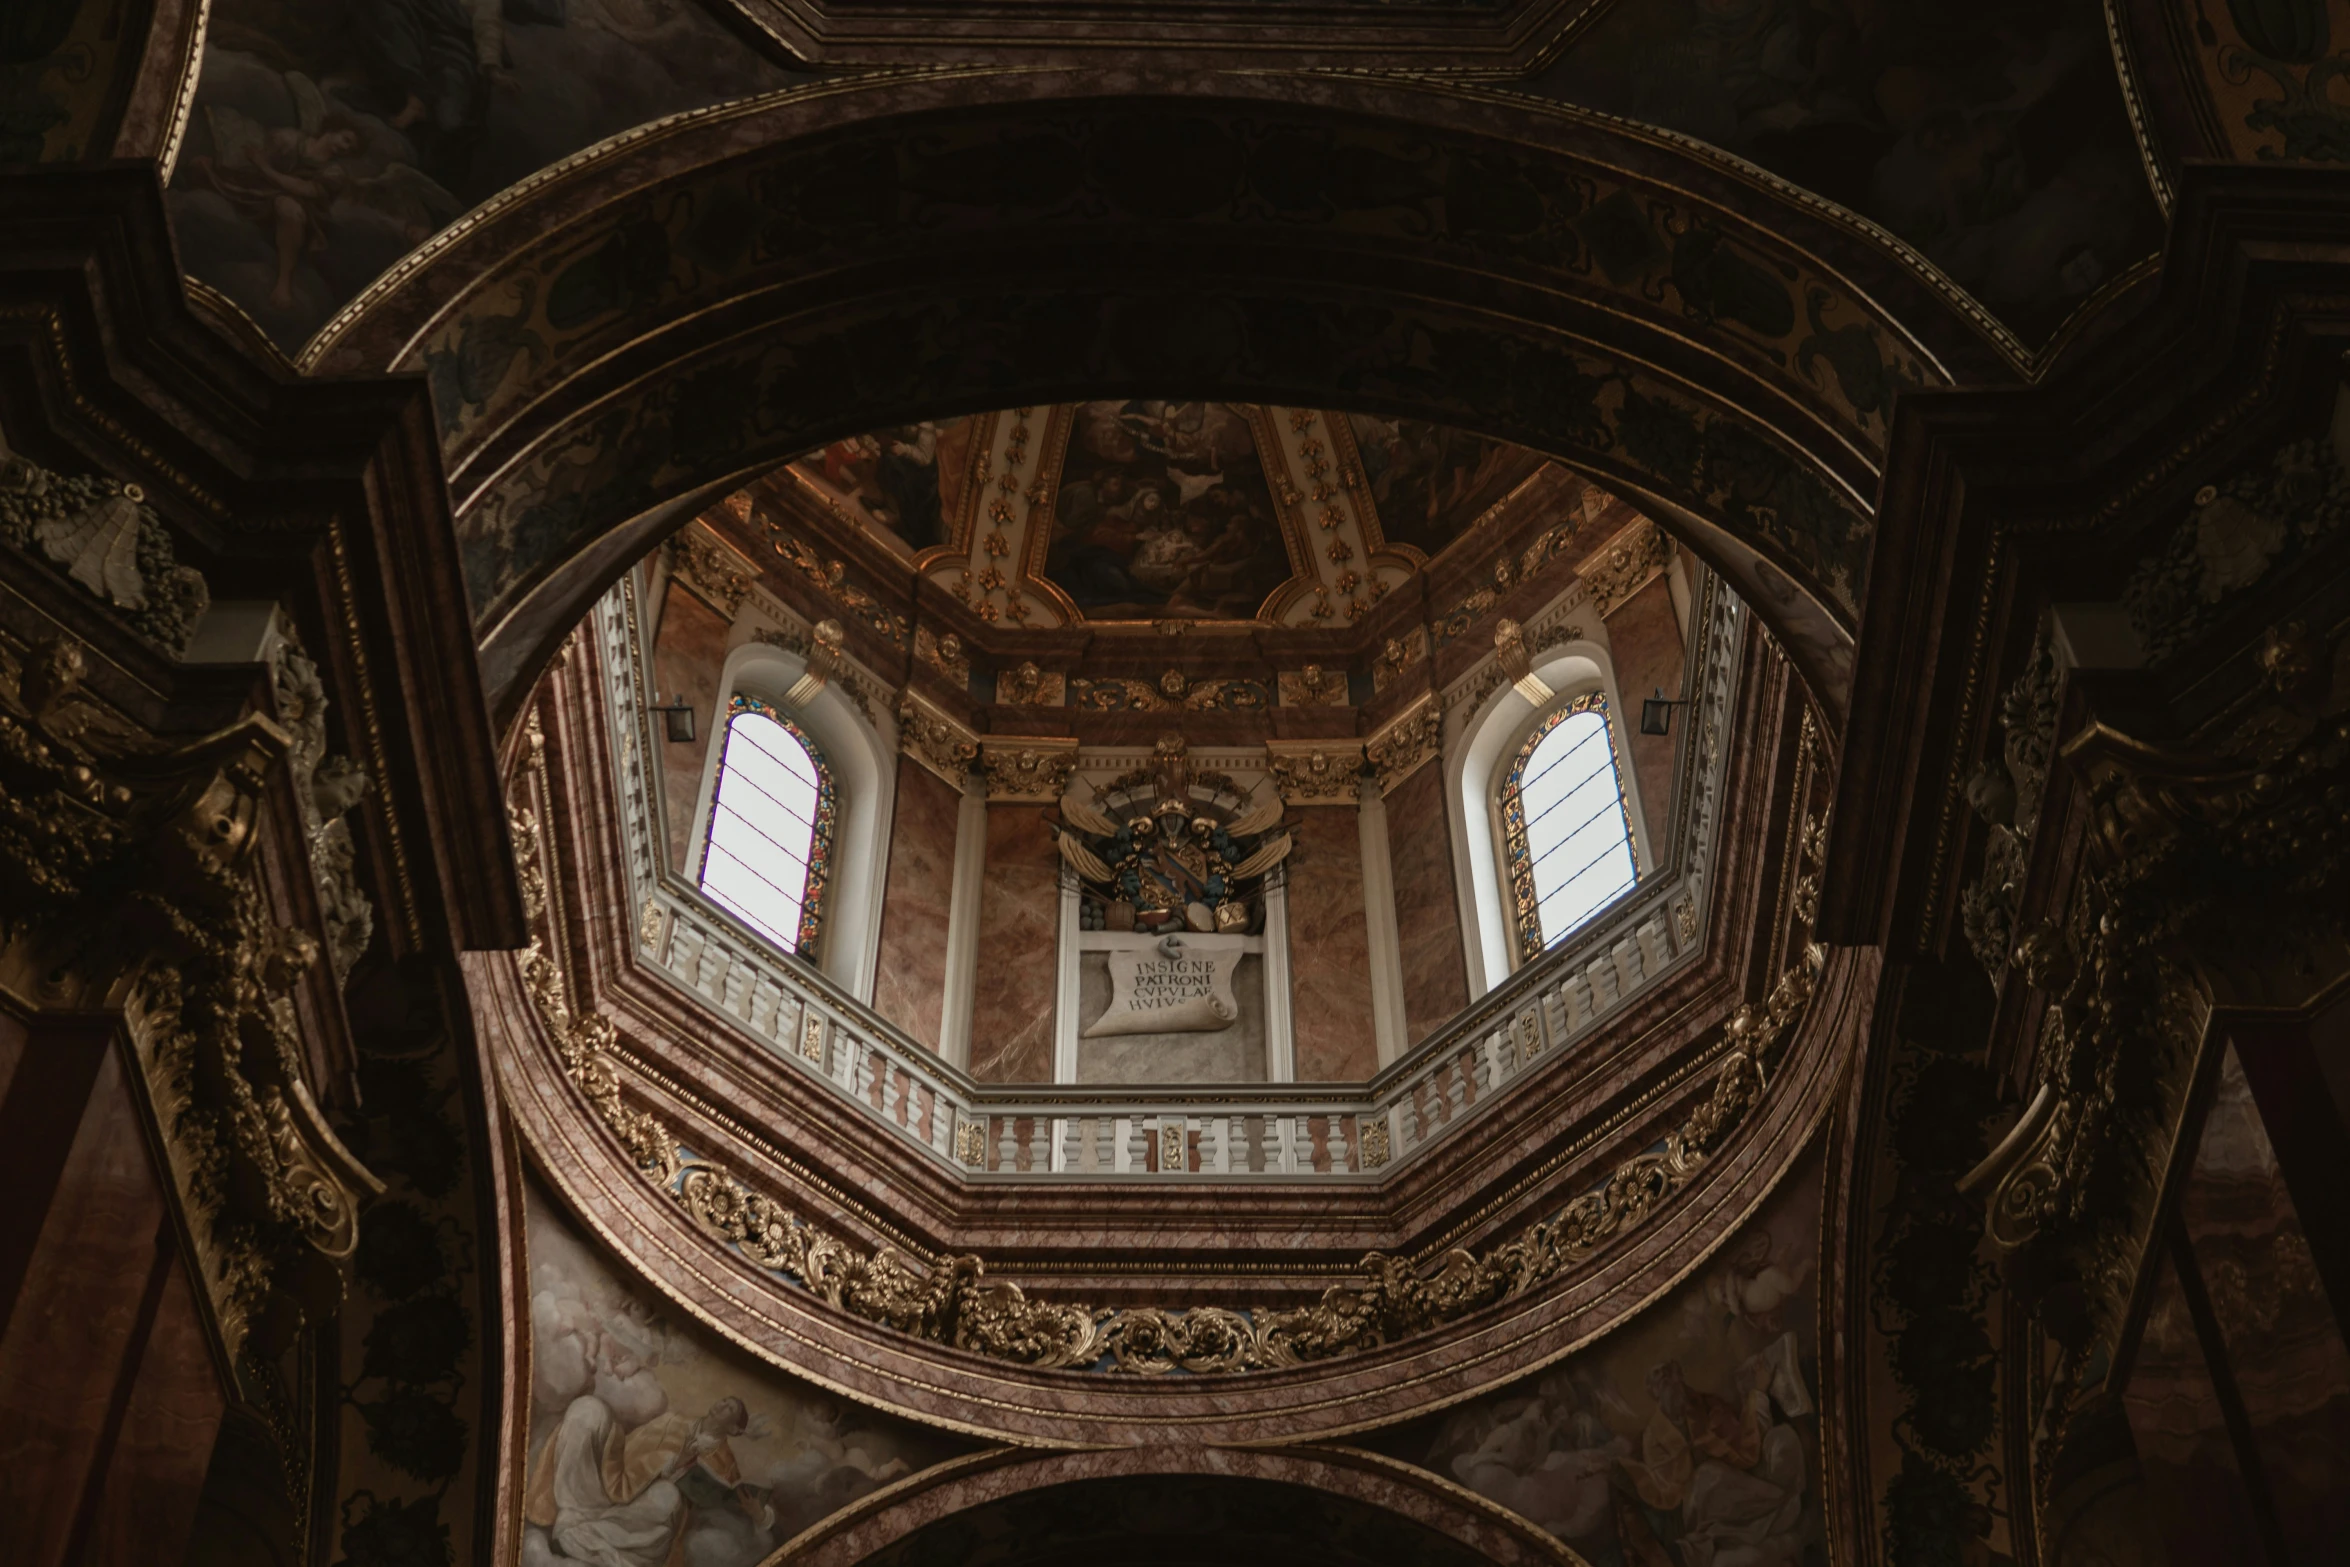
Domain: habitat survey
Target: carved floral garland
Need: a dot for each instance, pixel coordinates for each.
(950, 1300)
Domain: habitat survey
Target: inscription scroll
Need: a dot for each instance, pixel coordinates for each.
(1177, 985)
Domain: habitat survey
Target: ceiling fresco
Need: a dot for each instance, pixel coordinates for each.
(1991, 135)
(1150, 509)
(331, 137)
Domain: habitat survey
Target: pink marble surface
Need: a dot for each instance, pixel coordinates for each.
(688, 657)
(77, 1320)
(1419, 839)
(1330, 948)
(1645, 640)
(909, 982)
(1019, 918)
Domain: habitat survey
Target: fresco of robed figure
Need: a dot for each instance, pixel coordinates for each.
(1163, 512)
(1690, 1437)
(653, 1446)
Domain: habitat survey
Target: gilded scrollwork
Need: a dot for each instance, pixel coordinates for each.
(948, 1299)
(1316, 771)
(1028, 769)
(127, 880)
(1625, 564)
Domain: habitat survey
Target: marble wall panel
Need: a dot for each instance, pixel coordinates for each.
(722, 1459)
(1644, 637)
(689, 656)
(78, 1317)
(1226, 1055)
(2279, 1331)
(909, 982)
(2194, 1484)
(1019, 926)
(1330, 948)
(1419, 835)
(147, 1500)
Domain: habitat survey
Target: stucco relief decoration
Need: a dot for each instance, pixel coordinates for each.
(1171, 851)
(1028, 769)
(102, 533)
(1025, 685)
(936, 741)
(1315, 773)
(1312, 686)
(328, 786)
(711, 569)
(2238, 533)
(1625, 564)
(1397, 750)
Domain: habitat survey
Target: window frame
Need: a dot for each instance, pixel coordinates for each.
(822, 830)
(1517, 852)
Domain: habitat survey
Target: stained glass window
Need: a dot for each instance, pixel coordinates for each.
(1567, 835)
(769, 848)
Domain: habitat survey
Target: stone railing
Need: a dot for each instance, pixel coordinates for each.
(1254, 1132)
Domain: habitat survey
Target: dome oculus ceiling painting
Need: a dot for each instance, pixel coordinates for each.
(892, 782)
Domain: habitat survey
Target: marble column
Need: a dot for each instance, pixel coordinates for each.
(1019, 937)
(1384, 940)
(1330, 949)
(963, 914)
(1434, 967)
(917, 913)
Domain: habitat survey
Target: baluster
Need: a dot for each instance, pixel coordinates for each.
(1601, 971)
(1578, 1001)
(1655, 946)
(1628, 970)
(1140, 1130)
(1072, 1134)
(1103, 1155)
(1040, 1143)
(1007, 1147)
(1211, 1145)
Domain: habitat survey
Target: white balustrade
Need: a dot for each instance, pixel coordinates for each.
(1260, 1132)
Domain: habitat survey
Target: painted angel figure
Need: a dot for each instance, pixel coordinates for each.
(289, 180)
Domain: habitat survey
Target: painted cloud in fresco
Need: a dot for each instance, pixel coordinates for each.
(1690, 1437)
(651, 1446)
(330, 137)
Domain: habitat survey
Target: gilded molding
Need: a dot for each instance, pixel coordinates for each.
(936, 741)
(103, 535)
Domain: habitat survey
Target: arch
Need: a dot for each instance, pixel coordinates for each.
(1317, 1507)
(697, 302)
(864, 776)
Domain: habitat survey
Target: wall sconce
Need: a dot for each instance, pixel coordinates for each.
(677, 720)
(1656, 712)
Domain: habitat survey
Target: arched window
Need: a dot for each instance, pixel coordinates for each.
(1565, 830)
(769, 848)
